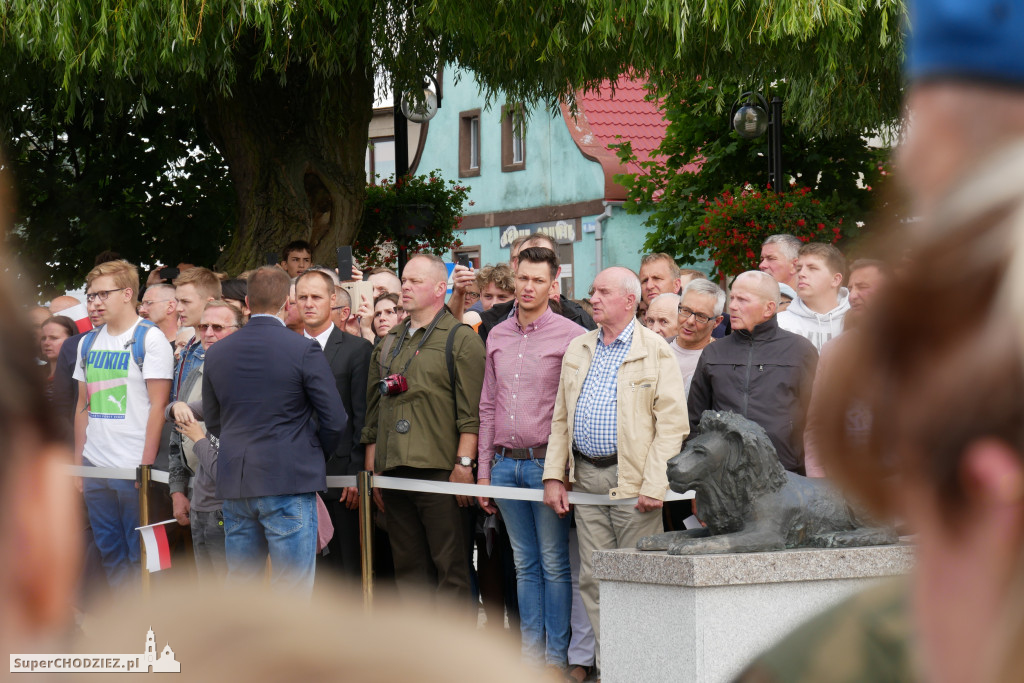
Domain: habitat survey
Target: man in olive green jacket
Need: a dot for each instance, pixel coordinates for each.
(427, 431)
(619, 416)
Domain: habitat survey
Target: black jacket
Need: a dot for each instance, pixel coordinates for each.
(569, 309)
(349, 358)
(764, 375)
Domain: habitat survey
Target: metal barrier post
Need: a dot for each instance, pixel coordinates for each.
(143, 482)
(365, 486)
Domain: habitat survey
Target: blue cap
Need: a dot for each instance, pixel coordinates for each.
(966, 39)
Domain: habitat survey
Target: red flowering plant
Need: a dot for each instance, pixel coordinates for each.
(413, 214)
(737, 222)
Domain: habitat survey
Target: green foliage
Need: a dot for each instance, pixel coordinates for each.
(111, 64)
(840, 58)
(425, 204)
(131, 49)
(701, 156)
(738, 221)
(149, 186)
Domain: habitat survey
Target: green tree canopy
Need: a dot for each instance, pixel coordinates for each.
(284, 90)
(700, 157)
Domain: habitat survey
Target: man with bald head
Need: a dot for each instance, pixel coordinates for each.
(621, 370)
(422, 422)
(662, 315)
(759, 371)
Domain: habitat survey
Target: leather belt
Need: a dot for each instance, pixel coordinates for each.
(599, 461)
(536, 452)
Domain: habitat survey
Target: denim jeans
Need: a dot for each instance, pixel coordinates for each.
(540, 544)
(113, 506)
(283, 527)
(208, 544)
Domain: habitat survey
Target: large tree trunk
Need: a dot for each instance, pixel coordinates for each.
(296, 156)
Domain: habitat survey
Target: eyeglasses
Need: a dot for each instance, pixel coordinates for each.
(217, 329)
(102, 294)
(150, 303)
(685, 313)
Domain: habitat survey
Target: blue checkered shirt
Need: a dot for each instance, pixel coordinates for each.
(595, 424)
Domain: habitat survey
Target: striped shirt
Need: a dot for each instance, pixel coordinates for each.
(595, 424)
(520, 383)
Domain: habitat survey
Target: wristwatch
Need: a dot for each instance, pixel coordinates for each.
(466, 461)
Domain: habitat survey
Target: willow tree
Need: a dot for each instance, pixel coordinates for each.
(284, 89)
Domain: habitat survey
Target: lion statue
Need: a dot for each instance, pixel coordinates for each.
(750, 503)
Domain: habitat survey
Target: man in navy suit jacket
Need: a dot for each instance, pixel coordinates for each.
(269, 397)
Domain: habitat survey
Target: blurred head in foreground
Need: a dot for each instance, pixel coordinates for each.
(965, 100)
(247, 633)
(940, 367)
(39, 535)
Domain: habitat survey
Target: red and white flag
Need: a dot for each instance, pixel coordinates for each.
(80, 315)
(158, 552)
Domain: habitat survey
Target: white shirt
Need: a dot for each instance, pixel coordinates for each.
(118, 401)
(321, 338)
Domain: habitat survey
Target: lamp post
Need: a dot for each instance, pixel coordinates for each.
(419, 110)
(750, 117)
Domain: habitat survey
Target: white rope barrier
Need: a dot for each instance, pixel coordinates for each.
(503, 492)
(127, 473)
(402, 484)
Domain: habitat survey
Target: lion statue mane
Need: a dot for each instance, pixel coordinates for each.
(749, 503)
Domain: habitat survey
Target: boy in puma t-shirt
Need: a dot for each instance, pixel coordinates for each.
(120, 412)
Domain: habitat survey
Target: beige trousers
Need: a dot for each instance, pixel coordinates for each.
(605, 527)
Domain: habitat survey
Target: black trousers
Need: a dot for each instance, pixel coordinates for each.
(428, 533)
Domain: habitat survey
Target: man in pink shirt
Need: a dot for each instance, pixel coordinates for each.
(524, 360)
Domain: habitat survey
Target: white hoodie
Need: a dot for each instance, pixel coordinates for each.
(818, 328)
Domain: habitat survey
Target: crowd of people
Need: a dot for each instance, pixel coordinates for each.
(911, 382)
(250, 390)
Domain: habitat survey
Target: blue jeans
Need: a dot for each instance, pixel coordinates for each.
(540, 544)
(113, 506)
(283, 527)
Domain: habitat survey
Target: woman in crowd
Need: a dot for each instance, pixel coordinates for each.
(387, 312)
(54, 331)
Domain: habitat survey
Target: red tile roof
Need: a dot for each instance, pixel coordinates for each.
(604, 119)
(627, 114)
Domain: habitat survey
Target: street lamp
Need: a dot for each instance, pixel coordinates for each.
(750, 118)
(423, 110)
(420, 110)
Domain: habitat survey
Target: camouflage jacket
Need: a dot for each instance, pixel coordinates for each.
(865, 638)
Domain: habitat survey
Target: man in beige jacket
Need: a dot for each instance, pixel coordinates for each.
(620, 414)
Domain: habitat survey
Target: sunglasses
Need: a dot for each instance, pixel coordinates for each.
(217, 329)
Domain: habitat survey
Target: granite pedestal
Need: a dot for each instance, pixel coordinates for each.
(703, 618)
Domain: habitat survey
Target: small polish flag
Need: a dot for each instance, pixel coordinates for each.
(158, 552)
(80, 315)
